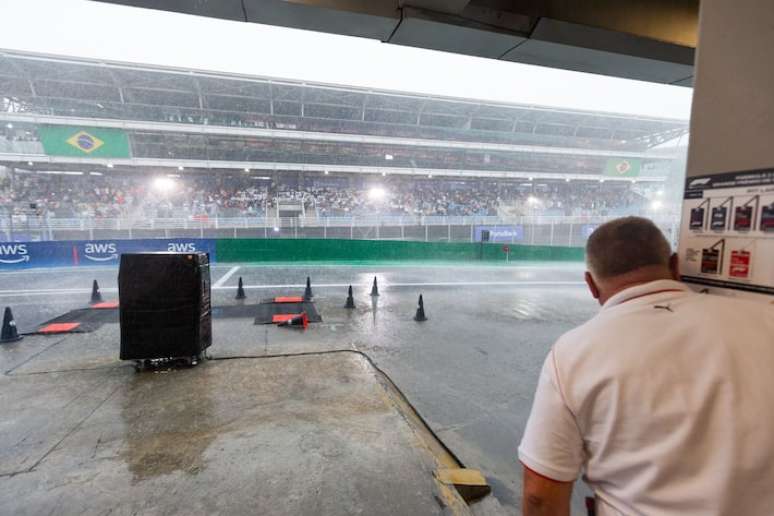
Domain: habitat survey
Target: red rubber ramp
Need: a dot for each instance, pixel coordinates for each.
(54, 328)
(265, 312)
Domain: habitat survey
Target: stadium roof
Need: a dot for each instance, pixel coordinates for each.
(57, 87)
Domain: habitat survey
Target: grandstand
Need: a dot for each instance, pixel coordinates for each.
(119, 149)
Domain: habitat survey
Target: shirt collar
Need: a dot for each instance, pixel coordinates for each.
(645, 289)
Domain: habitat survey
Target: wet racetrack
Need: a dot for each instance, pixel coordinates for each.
(470, 370)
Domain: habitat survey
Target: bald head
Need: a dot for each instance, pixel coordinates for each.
(624, 245)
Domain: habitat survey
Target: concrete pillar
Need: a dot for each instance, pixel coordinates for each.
(730, 174)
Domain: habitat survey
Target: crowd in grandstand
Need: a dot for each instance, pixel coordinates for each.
(12, 134)
(148, 144)
(135, 196)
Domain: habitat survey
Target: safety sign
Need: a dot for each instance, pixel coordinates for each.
(728, 231)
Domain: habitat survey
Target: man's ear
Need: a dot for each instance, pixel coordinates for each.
(592, 286)
(674, 266)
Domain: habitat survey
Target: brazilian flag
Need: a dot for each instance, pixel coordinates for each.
(622, 167)
(84, 142)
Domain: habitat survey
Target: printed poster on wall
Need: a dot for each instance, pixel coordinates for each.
(727, 232)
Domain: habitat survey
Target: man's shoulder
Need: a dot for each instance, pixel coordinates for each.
(738, 303)
(717, 308)
(592, 330)
(608, 326)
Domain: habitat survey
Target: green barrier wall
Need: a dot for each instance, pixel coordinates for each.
(355, 251)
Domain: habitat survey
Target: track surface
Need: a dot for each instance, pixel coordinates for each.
(470, 370)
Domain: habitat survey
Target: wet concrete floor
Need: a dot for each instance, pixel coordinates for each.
(470, 370)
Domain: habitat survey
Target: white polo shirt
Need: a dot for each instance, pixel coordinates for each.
(665, 402)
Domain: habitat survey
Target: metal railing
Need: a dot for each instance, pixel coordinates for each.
(528, 230)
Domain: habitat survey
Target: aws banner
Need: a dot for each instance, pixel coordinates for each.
(84, 142)
(76, 253)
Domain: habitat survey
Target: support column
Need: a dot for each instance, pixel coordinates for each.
(726, 242)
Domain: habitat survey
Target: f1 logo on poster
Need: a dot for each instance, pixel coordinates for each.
(100, 252)
(14, 253)
(181, 247)
(699, 182)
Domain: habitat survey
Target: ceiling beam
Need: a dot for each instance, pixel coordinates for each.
(651, 40)
(441, 6)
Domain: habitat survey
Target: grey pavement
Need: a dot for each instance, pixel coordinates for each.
(470, 370)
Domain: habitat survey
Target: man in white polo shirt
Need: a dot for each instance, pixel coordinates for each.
(664, 401)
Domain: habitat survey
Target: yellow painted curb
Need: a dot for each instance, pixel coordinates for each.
(469, 483)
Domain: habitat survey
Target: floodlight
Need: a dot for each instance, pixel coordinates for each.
(164, 184)
(376, 193)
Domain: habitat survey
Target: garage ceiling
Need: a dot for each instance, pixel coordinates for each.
(649, 40)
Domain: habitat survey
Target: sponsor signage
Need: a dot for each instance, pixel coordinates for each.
(100, 251)
(84, 142)
(92, 252)
(501, 233)
(13, 253)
